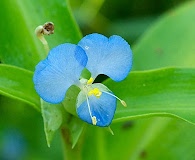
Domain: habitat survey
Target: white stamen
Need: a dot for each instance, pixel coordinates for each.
(122, 101)
(93, 118)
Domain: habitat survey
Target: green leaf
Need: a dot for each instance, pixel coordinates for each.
(169, 42)
(19, 45)
(163, 92)
(17, 83)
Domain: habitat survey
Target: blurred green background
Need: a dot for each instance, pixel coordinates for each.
(21, 128)
(127, 18)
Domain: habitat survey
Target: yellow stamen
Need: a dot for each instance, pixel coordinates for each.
(94, 120)
(96, 92)
(90, 81)
(123, 103)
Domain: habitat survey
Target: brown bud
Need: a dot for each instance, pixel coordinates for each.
(48, 28)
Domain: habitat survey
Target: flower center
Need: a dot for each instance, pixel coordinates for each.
(96, 92)
(90, 81)
(86, 87)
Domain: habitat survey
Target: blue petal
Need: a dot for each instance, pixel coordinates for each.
(61, 69)
(110, 56)
(102, 108)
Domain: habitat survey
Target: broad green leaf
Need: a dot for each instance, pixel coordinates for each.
(163, 92)
(18, 43)
(169, 42)
(146, 138)
(17, 83)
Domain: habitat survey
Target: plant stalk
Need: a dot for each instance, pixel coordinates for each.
(69, 152)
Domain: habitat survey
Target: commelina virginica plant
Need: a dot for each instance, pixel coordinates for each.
(62, 68)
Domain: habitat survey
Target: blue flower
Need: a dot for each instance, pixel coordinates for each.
(96, 104)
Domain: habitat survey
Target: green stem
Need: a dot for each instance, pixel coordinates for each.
(69, 152)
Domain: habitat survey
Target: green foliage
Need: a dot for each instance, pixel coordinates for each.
(168, 91)
(19, 45)
(169, 42)
(17, 83)
(145, 138)
(55, 117)
(159, 92)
